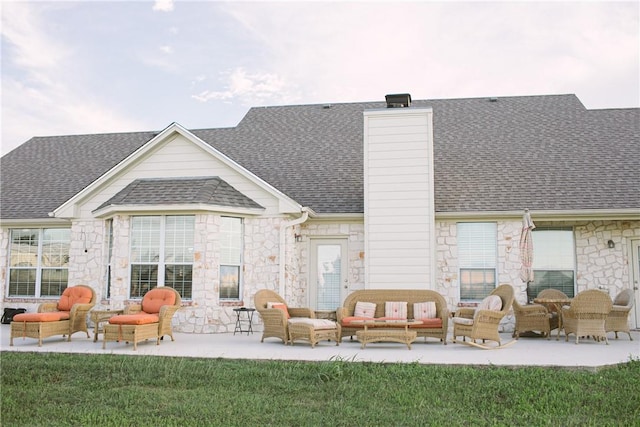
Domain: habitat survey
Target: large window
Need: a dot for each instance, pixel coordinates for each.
(38, 262)
(161, 253)
(553, 261)
(230, 257)
(477, 255)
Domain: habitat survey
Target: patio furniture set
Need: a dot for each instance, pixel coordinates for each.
(371, 315)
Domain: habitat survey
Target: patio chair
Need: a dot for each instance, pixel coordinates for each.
(275, 314)
(618, 318)
(482, 322)
(532, 318)
(586, 315)
(150, 319)
(65, 317)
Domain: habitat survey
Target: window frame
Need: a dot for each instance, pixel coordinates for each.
(162, 263)
(38, 269)
(474, 264)
(237, 266)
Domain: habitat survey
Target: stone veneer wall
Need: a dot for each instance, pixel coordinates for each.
(597, 264)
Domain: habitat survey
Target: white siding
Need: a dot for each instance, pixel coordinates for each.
(179, 157)
(399, 206)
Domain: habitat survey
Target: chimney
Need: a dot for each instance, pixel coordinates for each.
(398, 100)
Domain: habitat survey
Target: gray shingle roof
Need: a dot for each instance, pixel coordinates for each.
(541, 152)
(181, 191)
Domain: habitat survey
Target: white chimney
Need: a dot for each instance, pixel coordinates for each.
(399, 199)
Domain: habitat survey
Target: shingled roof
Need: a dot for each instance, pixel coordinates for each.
(505, 154)
(181, 191)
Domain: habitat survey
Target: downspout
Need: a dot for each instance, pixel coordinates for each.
(282, 249)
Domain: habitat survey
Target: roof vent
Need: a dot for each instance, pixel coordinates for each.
(398, 100)
(493, 99)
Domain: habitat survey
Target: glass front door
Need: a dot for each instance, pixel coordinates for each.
(329, 284)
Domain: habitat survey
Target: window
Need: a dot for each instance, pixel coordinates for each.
(553, 261)
(477, 255)
(39, 262)
(230, 257)
(161, 253)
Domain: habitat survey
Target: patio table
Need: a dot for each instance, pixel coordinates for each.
(554, 305)
(386, 330)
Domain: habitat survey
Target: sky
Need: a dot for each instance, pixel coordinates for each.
(121, 66)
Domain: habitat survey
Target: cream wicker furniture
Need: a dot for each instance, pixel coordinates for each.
(618, 318)
(586, 315)
(66, 317)
(313, 330)
(101, 316)
(275, 320)
(387, 330)
(482, 322)
(150, 319)
(554, 305)
(435, 327)
(533, 318)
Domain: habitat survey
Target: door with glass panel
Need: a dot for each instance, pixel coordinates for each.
(328, 273)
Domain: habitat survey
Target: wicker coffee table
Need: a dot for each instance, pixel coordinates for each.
(386, 330)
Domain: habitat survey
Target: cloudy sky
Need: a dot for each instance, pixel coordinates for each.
(95, 67)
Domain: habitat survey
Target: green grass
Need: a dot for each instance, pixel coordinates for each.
(51, 389)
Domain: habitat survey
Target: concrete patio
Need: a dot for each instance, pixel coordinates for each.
(526, 351)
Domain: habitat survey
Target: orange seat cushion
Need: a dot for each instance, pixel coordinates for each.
(51, 316)
(346, 321)
(134, 319)
(156, 298)
(74, 295)
(429, 323)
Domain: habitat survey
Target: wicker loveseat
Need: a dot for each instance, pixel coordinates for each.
(434, 328)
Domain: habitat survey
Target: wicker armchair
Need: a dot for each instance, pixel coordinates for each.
(533, 317)
(618, 318)
(275, 320)
(150, 319)
(65, 317)
(586, 315)
(482, 323)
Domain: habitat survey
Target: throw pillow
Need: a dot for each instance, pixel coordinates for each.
(279, 306)
(395, 309)
(424, 310)
(365, 309)
(492, 302)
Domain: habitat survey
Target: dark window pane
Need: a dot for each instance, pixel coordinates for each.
(178, 277)
(476, 283)
(22, 282)
(552, 279)
(229, 281)
(143, 278)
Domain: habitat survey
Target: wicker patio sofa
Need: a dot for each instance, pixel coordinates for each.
(435, 327)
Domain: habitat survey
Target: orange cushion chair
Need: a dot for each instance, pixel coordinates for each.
(67, 316)
(150, 319)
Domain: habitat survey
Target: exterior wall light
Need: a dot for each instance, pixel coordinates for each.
(611, 244)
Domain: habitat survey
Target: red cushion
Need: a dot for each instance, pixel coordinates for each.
(429, 323)
(156, 298)
(134, 319)
(74, 295)
(51, 316)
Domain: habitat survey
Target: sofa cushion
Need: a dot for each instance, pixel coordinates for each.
(156, 298)
(463, 321)
(492, 302)
(365, 309)
(280, 306)
(428, 323)
(51, 316)
(395, 309)
(74, 295)
(134, 319)
(347, 321)
(318, 324)
(424, 310)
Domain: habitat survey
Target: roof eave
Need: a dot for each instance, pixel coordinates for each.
(111, 210)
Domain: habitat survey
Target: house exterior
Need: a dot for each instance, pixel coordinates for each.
(316, 201)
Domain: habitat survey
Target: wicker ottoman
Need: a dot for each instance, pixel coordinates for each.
(130, 333)
(313, 330)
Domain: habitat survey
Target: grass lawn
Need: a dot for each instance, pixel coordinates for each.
(49, 389)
